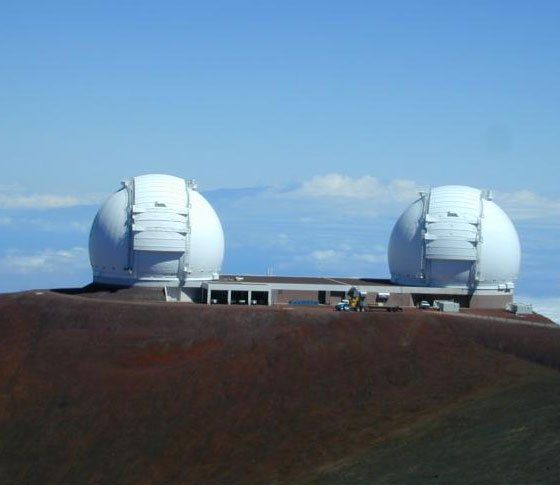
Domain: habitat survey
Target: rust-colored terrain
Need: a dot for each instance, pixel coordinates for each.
(95, 391)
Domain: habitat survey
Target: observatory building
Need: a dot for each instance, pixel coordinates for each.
(454, 237)
(156, 230)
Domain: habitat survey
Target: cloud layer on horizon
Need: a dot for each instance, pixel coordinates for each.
(333, 189)
(60, 261)
(14, 197)
(341, 194)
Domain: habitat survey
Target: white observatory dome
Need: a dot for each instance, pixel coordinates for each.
(157, 229)
(455, 236)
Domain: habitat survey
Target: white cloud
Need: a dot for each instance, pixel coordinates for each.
(371, 257)
(5, 221)
(547, 306)
(44, 261)
(386, 198)
(525, 204)
(59, 226)
(13, 196)
(334, 185)
(326, 255)
(44, 201)
(343, 257)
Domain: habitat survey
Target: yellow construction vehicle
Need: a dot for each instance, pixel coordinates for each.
(357, 299)
(357, 302)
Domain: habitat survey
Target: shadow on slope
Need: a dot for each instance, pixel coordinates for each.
(509, 436)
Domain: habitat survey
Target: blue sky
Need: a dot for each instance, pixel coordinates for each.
(257, 100)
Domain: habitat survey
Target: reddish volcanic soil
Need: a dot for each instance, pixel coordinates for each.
(98, 391)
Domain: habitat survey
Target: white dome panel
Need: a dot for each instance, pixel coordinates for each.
(207, 240)
(406, 245)
(454, 236)
(500, 259)
(156, 230)
(108, 244)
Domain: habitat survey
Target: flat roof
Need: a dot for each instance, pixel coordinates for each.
(305, 280)
(334, 283)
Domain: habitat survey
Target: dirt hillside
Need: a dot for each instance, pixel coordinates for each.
(98, 391)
